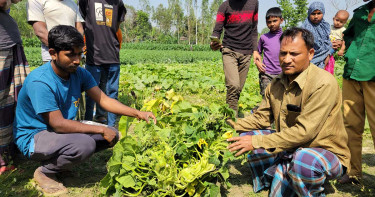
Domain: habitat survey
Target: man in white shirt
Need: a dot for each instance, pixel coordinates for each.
(43, 15)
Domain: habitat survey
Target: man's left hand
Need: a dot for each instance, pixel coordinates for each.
(243, 144)
(145, 116)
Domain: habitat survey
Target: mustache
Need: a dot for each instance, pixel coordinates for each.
(285, 64)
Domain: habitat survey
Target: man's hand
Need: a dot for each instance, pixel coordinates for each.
(261, 67)
(110, 136)
(215, 46)
(244, 144)
(258, 62)
(145, 116)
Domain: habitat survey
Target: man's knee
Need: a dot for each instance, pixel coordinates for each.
(83, 147)
(310, 163)
(233, 88)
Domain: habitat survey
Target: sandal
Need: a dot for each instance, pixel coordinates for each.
(48, 183)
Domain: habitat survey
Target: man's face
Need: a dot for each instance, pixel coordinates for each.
(273, 23)
(316, 16)
(294, 56)
(67, 61)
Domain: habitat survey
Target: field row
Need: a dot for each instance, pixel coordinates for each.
(132, 56)
(201, 83)
(35, 42)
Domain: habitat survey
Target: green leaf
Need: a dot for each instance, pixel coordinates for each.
(181, 149)
(214, 160)
(212, 190)
(126, 181)
(189, 130)
(164, 133)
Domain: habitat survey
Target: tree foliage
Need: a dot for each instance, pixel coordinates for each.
(179, 21)
(142, 26)
(18, 12)
(293, 12)
(163, 17)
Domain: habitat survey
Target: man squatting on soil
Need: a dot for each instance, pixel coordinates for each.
(45, 129)
(310, 142)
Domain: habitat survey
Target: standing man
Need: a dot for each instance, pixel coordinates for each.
(102, 20)
(45, 129)
(358, 86)
(13, 71)
(43, 15)
(239, 19)
(310, 142)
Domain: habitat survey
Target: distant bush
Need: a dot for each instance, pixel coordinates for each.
(128, 56)
(33, 56)
(156, 46)
(131, 56)
(31, 42)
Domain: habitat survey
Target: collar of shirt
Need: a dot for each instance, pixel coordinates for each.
(300, 80)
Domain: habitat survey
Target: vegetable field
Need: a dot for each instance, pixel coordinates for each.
(184, 154)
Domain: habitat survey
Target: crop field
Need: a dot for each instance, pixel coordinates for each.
(184, 154)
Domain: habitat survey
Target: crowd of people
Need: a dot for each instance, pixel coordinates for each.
(299, 134)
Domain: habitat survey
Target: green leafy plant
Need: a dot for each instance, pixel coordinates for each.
(183, 154)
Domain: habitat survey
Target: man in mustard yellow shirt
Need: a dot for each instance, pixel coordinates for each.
(310, 142)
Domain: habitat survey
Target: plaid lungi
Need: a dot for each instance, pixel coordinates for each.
(13, 71)
(301, 172)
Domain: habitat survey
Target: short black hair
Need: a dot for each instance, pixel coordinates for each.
(275, 12)
(64, 38)
(306, 35)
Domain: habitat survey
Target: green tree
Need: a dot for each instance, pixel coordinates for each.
(145, 6)
(293, 13)
(128, 25)
(18, 12)
(142, 25)
(206, 21)
(163, 18)
(177, 16)
(190, 12)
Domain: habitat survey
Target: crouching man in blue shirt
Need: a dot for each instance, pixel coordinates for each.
(45, 129)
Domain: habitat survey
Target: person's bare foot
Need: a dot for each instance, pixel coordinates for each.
(48, 183)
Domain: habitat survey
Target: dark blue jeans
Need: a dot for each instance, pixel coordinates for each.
(112, 74)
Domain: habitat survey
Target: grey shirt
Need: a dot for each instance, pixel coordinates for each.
(9, 33)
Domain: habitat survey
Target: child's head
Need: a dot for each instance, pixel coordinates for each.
(316, 12)
(340, 18)
(274, 18)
